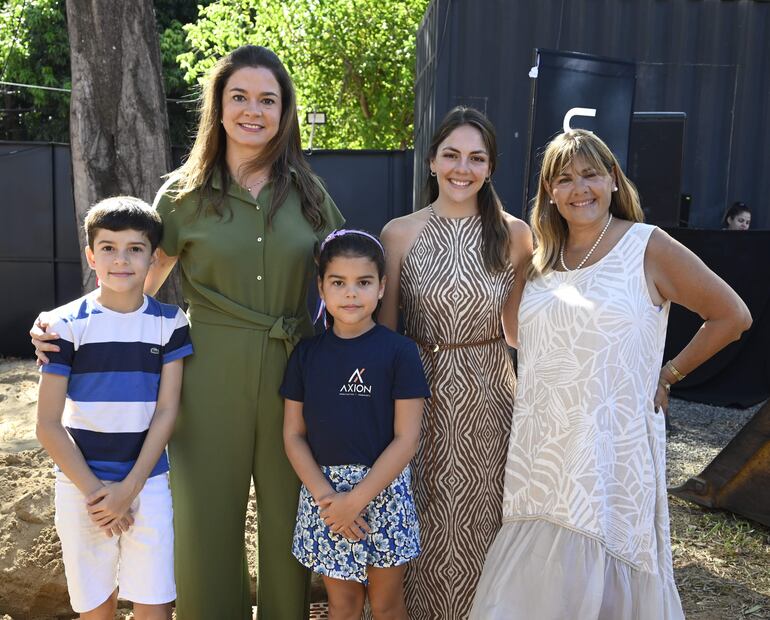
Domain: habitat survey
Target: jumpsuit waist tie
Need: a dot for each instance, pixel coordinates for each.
(286, 329)
(433, 349)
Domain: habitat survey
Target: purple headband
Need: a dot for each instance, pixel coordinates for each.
(341, 232)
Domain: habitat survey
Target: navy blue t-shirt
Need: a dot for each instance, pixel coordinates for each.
(348, 387)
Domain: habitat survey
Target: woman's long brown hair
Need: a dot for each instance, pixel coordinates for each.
(494, 231)
(283, 154)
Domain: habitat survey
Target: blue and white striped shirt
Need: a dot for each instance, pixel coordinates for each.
(113, 361)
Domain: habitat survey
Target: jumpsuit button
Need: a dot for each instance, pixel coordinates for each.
(259, 277)
(257, 206)
(259, 239)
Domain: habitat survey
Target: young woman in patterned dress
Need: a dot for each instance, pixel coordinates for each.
(585, 514)
(455, 269)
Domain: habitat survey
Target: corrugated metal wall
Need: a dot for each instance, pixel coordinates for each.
(707, 58)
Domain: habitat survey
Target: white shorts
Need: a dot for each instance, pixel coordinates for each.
(140, 561)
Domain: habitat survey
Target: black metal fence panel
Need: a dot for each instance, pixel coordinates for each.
(369, 187)
(39, 253)
(706, 58)
(739, 375)
(39, 247)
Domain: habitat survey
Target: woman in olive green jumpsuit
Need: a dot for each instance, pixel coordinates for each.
(241, 217)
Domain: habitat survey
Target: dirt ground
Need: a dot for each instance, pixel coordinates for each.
(722, 563)
(32, 585)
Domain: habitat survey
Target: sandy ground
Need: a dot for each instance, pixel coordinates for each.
(32, 585)
(18, 395)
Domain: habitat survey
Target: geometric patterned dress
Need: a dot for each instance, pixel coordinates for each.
(585, 515)
(449, 298)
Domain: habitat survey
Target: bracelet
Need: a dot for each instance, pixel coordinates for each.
(665, 385)
(674, 370)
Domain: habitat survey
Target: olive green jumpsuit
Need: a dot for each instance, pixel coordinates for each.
(246, 287)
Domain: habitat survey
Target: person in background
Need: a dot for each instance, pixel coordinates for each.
(737, 217)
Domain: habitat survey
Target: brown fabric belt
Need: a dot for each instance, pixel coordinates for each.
(433, 349)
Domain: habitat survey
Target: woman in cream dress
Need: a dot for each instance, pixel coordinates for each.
(585, 530)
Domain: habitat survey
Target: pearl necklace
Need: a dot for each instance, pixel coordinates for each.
(591, 251)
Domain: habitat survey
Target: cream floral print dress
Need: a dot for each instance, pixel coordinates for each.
(585, 530)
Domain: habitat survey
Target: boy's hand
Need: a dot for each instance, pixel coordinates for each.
(118, 526)
(342, 516)
(109, 507)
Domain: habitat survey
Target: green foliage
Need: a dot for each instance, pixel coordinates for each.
(182, 103)
(34, 50)
(183, 11)
(352, 59)
(171, 15)
(39, 55)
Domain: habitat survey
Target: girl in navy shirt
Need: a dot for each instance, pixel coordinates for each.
(354, 398)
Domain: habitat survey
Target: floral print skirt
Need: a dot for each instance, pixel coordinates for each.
(393, 539)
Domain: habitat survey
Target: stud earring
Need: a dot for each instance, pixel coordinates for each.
(432, 173)
(551, 201)
(614, 189)
(488, 179)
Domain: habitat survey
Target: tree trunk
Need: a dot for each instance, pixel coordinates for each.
(118, 120)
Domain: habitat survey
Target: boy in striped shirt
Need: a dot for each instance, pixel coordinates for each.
(108, 400)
